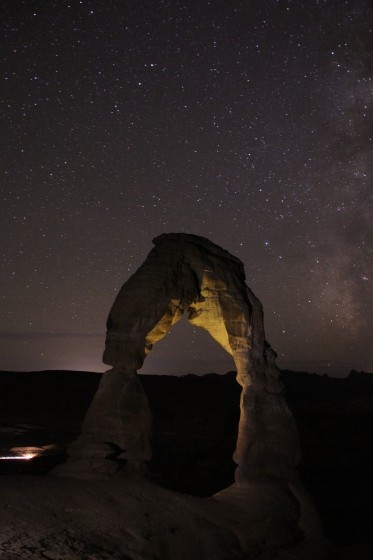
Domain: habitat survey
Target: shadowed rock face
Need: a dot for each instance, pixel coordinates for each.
(187, 274)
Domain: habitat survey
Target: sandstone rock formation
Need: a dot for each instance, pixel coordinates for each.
(187, 274)
(266, 508)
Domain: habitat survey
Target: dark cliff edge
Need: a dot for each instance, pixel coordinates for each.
(195, 428)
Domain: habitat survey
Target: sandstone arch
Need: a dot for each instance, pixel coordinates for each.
(187, 274)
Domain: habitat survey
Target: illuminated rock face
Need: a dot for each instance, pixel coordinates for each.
(188, 274)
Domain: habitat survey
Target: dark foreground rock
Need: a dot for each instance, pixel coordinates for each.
(128, 518)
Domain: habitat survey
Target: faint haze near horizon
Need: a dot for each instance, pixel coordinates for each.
(198, 354)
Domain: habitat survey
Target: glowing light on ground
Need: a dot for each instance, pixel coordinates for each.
(20, 454)
(26, 457)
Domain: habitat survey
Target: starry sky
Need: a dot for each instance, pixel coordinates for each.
(246, 122)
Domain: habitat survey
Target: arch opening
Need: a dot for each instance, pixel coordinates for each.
(187, 349)
(193, 452)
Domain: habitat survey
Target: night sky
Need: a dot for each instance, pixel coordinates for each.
(247, 122)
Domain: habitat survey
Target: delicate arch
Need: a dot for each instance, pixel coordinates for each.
(188, 274)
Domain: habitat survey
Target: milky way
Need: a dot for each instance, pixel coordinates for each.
(247, 122)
